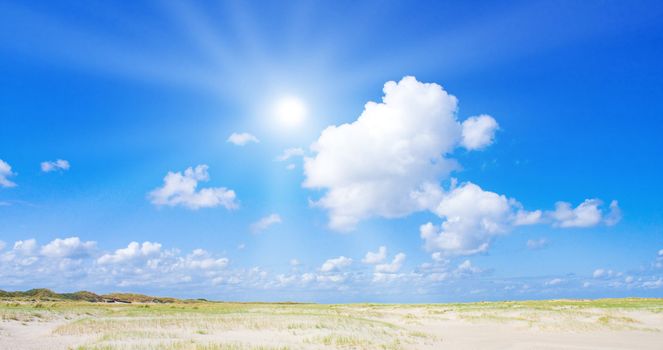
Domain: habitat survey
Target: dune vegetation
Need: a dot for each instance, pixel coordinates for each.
(41, 318)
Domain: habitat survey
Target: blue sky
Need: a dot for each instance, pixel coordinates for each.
(511, 149)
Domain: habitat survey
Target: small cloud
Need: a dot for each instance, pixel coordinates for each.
(55, 165)
(5, 172)
(539, 243)
(437, 257)
(392, 267)
(133, 251)
(71, 247)
(377, 257)
(290, 166)
(335, 264)
(265, 222)
(467, 268)
(615, 214)
(554, 282)
(603, 273)
(524, 217)
(289, 153)
(478, 132)
(241, 246)
(308, 277)
(181, 189)
(655, 284)
(26, 247)
(586, 214)
(294, 262)
(199, 259)
(241, 139)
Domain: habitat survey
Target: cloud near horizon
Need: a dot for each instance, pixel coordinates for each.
(66, 263)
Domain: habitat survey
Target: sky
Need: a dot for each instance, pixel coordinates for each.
(332, 151)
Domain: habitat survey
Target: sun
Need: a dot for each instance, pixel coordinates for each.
(290, 111)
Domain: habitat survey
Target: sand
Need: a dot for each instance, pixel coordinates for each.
(273, 326)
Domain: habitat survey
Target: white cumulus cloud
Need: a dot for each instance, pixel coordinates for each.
(586, 214)
(241, 139)
(478, 132)
(389, 161)
(377, 257)
(133, 251)
(26, 247)
(68, 247)
(5, 172)
(59, 164)
(201, 259)
(472, 217)
(335, 264)
(466, 268)
(181, 189)
(392, 267)
(265, 222)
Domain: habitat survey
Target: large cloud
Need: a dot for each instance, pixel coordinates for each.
(181, 189)
(389, 161)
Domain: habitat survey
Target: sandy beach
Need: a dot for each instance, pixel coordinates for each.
(617, 324)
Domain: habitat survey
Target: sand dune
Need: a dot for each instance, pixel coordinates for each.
(607, 324)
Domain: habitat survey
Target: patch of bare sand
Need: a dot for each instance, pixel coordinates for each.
(37, 335)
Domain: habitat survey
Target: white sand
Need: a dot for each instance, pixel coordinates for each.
(350, 327)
